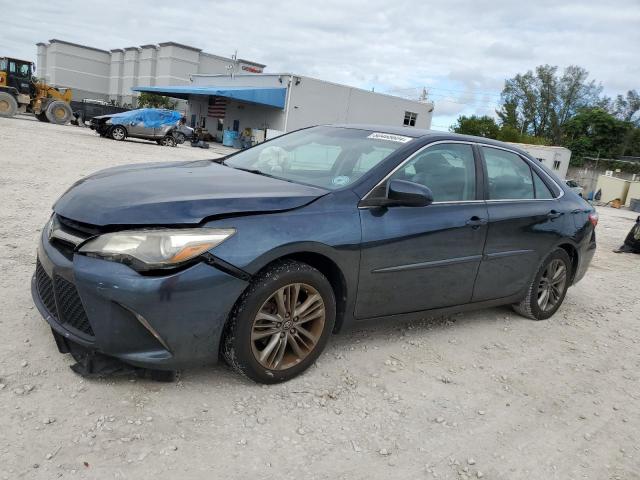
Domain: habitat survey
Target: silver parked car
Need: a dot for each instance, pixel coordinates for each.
(573, 185)
(153, 124)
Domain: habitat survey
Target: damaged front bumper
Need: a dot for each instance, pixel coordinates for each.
(100, 308)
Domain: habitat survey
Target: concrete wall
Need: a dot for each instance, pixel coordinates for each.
(314, 102)
(226, 80)
(587, 176)
(548, 155)
(110, 75)
(612, 188)
(84, 69)
(634, 192)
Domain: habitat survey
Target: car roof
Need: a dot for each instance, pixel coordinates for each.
(424, 133)
(405, 131)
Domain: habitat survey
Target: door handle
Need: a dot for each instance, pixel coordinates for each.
(553, 214)
(475, 222)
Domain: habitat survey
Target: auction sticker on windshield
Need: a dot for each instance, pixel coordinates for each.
(390, 137)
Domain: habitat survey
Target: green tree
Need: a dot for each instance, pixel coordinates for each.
(624, 107)
(484, 126)
(540, 103)
(153, 100)
(595, 132)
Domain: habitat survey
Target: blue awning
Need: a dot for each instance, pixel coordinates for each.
(270, 96)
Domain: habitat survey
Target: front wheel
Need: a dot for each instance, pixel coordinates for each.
(118, 133)
(546, 292)
(59, 112)
(8, 105)
(281, 324)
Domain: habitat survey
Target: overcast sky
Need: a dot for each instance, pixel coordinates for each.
(461, 51)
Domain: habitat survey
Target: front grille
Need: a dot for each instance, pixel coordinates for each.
(68, 310)
(45, 289)
(78, 228)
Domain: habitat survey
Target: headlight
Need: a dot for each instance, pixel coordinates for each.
(155, 249)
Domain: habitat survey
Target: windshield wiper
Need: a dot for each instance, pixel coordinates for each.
(253, 170)
(264, 174)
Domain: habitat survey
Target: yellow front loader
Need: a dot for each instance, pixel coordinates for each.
(21, 92)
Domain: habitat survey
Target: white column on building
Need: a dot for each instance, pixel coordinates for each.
(130, 73)
(115, 75)
(147, 65)
(41, 61)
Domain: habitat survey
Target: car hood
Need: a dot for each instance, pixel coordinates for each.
(177, 193)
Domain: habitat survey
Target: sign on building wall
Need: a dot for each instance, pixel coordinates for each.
(251, 68)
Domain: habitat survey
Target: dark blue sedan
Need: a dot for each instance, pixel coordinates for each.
(259, 257)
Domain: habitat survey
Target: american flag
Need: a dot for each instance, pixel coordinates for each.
(217, 107)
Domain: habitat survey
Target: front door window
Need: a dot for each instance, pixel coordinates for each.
(447, 169)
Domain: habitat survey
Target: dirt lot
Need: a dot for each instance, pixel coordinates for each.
(486, 394)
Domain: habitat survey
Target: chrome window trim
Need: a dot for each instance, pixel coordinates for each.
(466, 142)
(409, 158)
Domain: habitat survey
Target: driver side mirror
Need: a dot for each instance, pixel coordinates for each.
(401, 193)
(408, 194)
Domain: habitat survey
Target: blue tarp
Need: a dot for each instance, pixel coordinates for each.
(149, 117)
(270, 96)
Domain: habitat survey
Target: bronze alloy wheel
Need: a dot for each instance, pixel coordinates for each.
(4, 106)
(551, 286)
(288, 326)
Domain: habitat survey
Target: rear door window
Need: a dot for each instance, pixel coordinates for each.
(508, 175)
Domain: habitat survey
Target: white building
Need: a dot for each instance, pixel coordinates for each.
(110, 74)
(276, 103)
(555, 158)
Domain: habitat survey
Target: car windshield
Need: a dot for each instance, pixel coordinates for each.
(326, 157)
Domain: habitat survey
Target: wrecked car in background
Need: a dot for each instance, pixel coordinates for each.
(153, 124)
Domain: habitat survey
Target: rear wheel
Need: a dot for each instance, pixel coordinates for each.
(118, 133)
(8, 105)
(281, 323)
(59, 112)
(548, 288)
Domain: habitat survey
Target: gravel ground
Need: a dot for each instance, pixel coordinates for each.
(485, 394)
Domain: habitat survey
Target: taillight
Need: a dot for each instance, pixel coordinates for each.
(593, 218)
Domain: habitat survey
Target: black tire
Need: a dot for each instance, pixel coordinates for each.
(42, 117)
(8, 105)
(530, 305)
(118, 132)
(237, 347)
(59, 112)
(179, 137)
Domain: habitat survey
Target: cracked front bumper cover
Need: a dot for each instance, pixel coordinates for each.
(184, 312)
